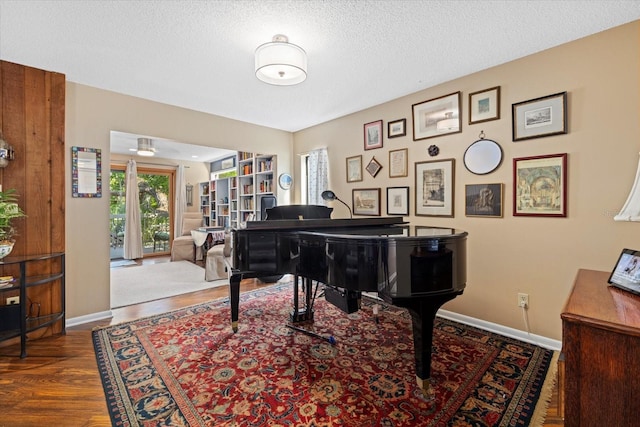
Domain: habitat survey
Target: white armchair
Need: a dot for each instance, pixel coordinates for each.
(183, 247)
(215, 267)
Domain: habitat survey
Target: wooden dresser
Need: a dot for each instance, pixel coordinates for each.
(601, 345)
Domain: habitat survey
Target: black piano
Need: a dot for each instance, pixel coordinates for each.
(418, 268)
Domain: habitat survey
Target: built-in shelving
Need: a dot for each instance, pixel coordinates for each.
(235, 199)
(204, 191)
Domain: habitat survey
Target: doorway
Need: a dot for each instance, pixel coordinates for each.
(156, 188)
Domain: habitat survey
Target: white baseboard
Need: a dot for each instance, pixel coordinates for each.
(543, 342)
(93, 317)
(503, 330)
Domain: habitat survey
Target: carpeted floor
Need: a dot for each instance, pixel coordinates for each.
(133, 285)
(187, 368)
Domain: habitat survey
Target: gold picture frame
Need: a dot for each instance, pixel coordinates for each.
(354, 168)
(398, 163)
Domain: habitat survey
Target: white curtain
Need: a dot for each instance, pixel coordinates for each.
(180, 202)
(318, 176)
(132, 224)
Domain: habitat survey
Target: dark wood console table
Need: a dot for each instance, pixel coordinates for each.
(601, 345)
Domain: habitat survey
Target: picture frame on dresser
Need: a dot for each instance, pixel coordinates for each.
(626, 272)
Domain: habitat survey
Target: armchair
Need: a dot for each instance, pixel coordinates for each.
(215, 266)
(183, 247)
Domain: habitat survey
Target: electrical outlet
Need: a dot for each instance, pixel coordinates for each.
(13, 300)
(523, 300)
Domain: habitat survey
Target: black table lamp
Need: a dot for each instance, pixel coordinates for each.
(330, 196)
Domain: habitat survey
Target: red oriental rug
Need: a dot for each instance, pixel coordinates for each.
(187, 368)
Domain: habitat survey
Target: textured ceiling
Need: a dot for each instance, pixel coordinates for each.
(199, 54)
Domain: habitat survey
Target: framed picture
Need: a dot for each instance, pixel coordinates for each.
(366, 201)
(373, 167)
(354, 169)
(626, 273)
(373, 135)
(540, 185)
(398, 163)
(397, 128)
(397, 200)
(437, 117)
(483, 200)
(484, 105)
(540, 117)
(435, 188)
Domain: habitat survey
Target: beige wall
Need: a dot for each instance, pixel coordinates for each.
(90, 116)
(538, 256)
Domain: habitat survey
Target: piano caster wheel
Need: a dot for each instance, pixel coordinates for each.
(302, 315)
(428, 392)
(234, 326)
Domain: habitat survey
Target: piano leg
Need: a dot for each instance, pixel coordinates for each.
(235, 277)
(423, 313)
(234, 298)
(306, 313)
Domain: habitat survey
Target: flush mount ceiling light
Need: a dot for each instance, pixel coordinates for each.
(280, 62)
(145, 147)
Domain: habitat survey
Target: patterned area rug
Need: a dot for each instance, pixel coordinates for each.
(187, 368)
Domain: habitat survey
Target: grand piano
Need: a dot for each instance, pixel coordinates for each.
(415, 267)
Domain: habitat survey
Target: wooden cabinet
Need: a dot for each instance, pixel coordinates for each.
(39, 284)
(601, 345)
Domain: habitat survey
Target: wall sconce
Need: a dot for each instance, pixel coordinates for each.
(189, 195)
(6, 152)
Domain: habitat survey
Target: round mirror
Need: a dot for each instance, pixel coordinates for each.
(483, 157)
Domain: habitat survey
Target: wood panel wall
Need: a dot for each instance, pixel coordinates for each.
(32, 119)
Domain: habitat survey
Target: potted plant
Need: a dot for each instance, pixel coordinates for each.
(9, 210)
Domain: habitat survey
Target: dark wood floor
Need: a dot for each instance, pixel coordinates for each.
(58, 384)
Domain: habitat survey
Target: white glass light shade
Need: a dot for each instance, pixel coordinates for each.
(631, 209)
(145, 147)
(281, 63)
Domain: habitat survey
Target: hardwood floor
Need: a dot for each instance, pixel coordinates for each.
(57, 384)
